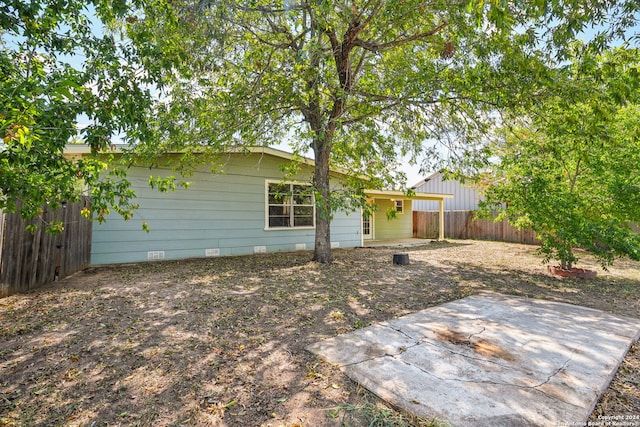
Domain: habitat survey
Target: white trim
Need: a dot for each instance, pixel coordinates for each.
(391, 194)
(306, 227)
(266, 206)
(371, 235)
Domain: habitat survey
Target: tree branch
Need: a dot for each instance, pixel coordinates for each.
(379, 47)
(355, 31)
(259, 38)
(372, 114)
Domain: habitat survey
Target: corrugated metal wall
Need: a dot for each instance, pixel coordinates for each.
(464, 198)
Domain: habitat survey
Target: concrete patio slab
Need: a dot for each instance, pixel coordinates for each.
(489, 360)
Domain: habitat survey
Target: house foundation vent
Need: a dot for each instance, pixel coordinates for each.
(335, 245)
(259, 249)
(154, 255)
(301, 246)
(212, 252)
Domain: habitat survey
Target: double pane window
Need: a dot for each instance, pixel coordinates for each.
(290, 205)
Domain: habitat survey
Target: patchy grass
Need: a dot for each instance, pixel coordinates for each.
(372, 412)
(220, 341)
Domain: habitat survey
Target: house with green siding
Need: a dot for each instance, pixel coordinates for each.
(245, 208)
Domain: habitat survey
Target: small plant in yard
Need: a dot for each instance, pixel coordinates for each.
(374, 415)
(337, 316)
(312, 371)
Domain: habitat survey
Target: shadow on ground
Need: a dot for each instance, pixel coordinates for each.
(221, 341)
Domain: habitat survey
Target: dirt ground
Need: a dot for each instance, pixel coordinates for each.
(221, 341)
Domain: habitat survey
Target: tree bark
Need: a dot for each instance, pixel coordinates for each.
(322, 252)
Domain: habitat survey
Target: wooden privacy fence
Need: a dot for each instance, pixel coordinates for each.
(29, 260)
(461, 225)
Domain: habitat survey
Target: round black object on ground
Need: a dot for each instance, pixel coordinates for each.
(401, 259)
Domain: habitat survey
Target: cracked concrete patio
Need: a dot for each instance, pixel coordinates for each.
(489, 359)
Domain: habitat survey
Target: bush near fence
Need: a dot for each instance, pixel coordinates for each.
(462, 225)
(29, 260)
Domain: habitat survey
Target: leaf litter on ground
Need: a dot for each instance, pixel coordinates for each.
(222, 341)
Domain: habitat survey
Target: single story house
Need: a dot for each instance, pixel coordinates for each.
(245, 208)
(464, 198)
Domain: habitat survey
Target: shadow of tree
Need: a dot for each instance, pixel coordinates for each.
(222, 341)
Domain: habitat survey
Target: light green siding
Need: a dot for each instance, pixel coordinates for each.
(223, 213)
(399, 227)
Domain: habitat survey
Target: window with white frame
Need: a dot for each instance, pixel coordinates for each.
(290, 205)
(399, 206)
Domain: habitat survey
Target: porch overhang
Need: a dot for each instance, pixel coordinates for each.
(401, 195)
(394, 194)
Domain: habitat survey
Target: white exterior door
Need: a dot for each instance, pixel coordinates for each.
(367, 226)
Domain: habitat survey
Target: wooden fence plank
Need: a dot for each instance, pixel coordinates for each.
(28, 260)
(461, 225)
(425, 226)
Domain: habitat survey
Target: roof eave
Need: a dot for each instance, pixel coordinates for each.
(390, 194)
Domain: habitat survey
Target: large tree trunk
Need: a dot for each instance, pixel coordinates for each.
(322, 251)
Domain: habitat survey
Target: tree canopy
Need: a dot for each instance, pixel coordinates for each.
(570, 170)
(359, 83)
(60, 66)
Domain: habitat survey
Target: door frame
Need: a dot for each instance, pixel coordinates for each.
(370, 219)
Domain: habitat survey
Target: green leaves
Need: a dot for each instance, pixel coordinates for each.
(59, 69)
(570, 169)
